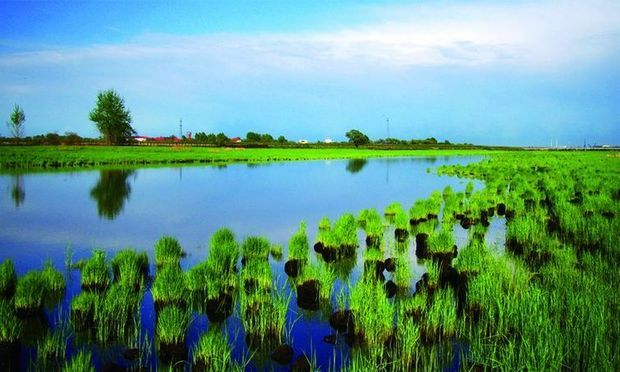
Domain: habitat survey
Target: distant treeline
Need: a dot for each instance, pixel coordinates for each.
(251, 139)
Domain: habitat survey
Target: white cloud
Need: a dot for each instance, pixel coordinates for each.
(530, 35)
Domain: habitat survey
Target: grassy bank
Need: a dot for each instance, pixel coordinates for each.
(25, 157)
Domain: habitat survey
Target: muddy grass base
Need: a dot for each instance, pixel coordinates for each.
(332, 254)
(220, 308)
(308, 295)
(342, 321)
(172, 353)
(9, 356)
(282, 354)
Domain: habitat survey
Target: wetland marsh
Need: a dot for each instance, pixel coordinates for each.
(505, 261)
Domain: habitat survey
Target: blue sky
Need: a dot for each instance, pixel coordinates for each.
(504, 72)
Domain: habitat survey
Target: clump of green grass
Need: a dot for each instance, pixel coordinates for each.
(8, 279)
(373, 327)
(130, 268)
(341, 241)
(471, 259)
(10, 326)
(172, 323)
(255, 248)
(264, 316)
(276, 251)
(392, 209)
(402, 272)
(168, 252)
(256, 276)
(51, 350)
(83, 310)
(408, 338)
(170, 287)
(441, 242)
(223, 251)
(371, 222)
(440, 319)
(212, 352)
(96, 272)
(324, 223)
(432, 275)
(197, 282)
(29, 293)
(54, 283)
(116, 314)
(298, 245)
(81, 362)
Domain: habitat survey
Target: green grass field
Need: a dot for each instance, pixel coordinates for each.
(23, 157)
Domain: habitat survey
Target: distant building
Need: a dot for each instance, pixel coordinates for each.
(235, 140)
(140, 138)
(328, 140)
(303, 141)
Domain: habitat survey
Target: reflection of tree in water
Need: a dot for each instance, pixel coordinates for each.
(18, 192)
(111, 192)
(356, 165)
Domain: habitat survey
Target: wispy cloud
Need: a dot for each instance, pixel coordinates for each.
(530, 35)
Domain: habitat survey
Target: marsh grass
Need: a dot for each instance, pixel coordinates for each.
(372, 327)
(441, 242)
(117, 314)
(324, 223)
(96, 272)
(440, 319)
(223, 251)
(10, 324)
(402, 272)
(83, 310)
(54, 283)
(298, 245)
(372, 224)
(255, 248)
(169, 287)
(256, 277)
(340, 241)
(29, 293)
(8, 279)
(168, 252)
(51, 351)
(276, 251)
(130, 268)
(213, 352)
(172, 323)
(264, 319)
(80, 362)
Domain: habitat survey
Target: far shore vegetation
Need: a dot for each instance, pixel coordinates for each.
(55, 157)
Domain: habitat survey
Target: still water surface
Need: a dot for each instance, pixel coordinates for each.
(45, 215)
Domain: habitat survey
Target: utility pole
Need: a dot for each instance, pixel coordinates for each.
(180, 128)
(388, 127)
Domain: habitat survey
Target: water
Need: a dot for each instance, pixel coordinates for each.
(46, 215)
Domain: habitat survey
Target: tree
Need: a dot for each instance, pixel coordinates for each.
(357, 138)
(16, 124)
(111, 117)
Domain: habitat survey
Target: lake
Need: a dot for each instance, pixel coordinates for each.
(68, 214)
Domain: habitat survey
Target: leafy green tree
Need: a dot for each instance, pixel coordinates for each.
(113, 120)
(282, 139)
(253, 137)
(16, 123)
(221, 139)
(357, 138)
